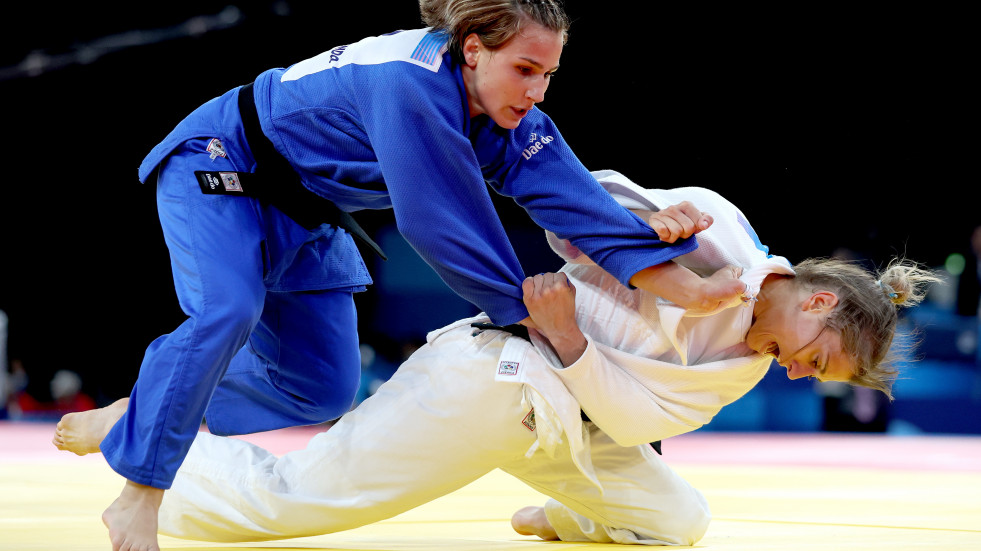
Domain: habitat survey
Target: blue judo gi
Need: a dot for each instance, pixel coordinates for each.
(271, 335)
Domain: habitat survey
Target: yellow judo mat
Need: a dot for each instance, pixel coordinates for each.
(827, 492)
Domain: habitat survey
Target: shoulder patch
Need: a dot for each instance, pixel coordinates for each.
(418, 47)
(431, 48)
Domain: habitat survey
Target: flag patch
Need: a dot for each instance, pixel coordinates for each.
(430, 48)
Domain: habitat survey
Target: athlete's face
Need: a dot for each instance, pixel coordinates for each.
(506, 83)
(796, 335)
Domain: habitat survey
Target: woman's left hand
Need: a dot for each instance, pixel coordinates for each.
(719, 291)
(679, 221)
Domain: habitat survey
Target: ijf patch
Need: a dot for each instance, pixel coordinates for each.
(529, 420)
(230, 181)
(216, 149)
(220, 183)
(507, 368)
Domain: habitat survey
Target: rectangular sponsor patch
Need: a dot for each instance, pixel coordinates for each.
(507, 368)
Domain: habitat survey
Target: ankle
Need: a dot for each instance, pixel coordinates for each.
(134, 492)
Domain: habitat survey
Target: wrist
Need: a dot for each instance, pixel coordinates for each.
(672, 282)
(570, 348)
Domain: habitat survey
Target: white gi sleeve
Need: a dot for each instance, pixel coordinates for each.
(730, 240)
(653, 400)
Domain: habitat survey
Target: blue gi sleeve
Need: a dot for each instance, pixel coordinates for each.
(417, 126)
(546, 178)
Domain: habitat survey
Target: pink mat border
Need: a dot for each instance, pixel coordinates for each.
(20, 441)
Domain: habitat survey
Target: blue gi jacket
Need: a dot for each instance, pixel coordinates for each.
(384, 123)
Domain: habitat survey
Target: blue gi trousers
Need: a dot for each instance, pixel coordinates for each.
(270, 340)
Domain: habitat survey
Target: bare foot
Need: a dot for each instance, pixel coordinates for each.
(531, 521)
(82, 432)
(132, 518)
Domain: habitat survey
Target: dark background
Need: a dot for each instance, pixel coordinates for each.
(829, 127)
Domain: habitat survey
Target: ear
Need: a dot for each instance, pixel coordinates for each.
(821, 301)
(471, 49)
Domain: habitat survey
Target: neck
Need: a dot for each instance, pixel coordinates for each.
(773, 288)
(470, 88)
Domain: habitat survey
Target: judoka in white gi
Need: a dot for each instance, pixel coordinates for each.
(473, 400)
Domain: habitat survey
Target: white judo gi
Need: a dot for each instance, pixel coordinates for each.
(470, 401)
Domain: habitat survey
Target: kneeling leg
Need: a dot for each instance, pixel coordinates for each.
(301, 366)
(643, 500)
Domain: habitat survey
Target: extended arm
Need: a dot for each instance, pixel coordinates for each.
(551, 300)
(678, 284)
(685, 288)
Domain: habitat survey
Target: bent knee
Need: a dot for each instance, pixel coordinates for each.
(692, 526)
(683, 523)
(325, 399)
(325, 411)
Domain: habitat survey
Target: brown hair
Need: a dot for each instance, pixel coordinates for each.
(494, 21)
(867, 314)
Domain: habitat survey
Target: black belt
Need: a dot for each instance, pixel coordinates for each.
(276, 183)
(515, 329)
(519, 330)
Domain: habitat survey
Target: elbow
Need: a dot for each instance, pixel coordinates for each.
(410, 228)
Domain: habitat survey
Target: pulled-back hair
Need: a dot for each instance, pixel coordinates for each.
(494, 21)
(867, 314)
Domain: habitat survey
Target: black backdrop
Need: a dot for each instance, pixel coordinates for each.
(831, 128)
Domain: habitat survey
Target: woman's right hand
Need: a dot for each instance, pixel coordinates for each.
(551, 301)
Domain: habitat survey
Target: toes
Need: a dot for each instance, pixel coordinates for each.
(58, 440)
(522, 523)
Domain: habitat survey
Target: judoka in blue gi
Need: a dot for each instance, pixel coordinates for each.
(255, 190)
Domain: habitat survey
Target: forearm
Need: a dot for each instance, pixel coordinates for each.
(567, 340)
(672, 282)
(569, 346)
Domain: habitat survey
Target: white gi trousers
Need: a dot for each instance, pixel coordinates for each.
(441, 422)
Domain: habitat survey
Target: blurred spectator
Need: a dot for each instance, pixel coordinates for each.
(969, 280)
(853, 409)
(32, 388)
(66, 396)
(4, 369)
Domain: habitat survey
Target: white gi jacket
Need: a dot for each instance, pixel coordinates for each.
(649, 372)
(470, 403)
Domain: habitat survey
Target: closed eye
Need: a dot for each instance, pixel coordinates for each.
(819, 367)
